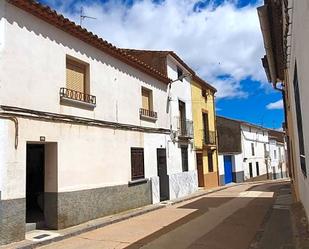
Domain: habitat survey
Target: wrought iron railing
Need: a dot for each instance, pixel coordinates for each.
(75, 95)
(147, 113)
(185, 128)
(209, 137)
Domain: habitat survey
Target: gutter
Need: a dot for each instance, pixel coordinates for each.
(266, 32)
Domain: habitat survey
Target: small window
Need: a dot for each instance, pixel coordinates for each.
(179, 73)
(210, 162)
(146, 99)
(75, 76)
(275, 154)
(257, 168)
(252, 149)
(184, 158)
(137, 163)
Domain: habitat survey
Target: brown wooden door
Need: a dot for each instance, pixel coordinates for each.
(200, 170)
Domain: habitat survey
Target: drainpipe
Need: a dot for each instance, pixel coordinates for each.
(15, 120)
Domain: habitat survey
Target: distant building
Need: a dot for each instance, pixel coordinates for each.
(244, 152)
(205, 132)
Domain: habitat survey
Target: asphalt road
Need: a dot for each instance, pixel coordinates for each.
(227, 219)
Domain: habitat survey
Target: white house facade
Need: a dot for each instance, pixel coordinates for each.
(249, 152)
(85, 128)
(181, 173)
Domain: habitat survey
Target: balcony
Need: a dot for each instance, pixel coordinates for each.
(72, 97)
(185, 128)
(209, 137)
(148, 115)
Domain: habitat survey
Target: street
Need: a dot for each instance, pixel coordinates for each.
(229, 218)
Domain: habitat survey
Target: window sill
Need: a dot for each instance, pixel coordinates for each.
(138, 181)
(76, 103)
(148, 118)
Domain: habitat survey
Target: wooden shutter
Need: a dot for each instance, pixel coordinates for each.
(146, 99)
(75, 73)
(137, 163)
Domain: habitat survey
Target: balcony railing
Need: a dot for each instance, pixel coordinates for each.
(66, 93)
(209, 137)
(185, 128)
(147, 113)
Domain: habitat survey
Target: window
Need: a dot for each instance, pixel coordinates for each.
(75, 76)
(184, 158)
(275, 154)
(137, 163)
(257, 168)
(146, 99)
(179, 73)
(206, 128)
(210, 162)
(250, 170)
(252, 149)
(301, 142)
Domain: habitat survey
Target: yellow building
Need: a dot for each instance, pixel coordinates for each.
(205, 141)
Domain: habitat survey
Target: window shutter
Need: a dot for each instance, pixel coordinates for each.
(145, 99)
(137, 163)
(75, 74)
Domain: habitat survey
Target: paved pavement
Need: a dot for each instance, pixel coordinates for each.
(229, 218)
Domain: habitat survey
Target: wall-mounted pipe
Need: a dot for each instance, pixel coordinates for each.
(15, 120)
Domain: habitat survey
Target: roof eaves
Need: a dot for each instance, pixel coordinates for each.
(50, 16)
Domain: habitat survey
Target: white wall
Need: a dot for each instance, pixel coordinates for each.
(37, 68)
(33, 68)
(299, 53)
(258, 138)
(180, 90)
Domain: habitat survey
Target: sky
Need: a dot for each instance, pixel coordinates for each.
(219, 39)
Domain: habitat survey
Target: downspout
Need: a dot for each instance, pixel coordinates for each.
(15, 120)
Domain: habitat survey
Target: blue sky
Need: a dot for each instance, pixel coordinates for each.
(220, 40)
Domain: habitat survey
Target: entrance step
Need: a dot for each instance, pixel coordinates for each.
(34, 226)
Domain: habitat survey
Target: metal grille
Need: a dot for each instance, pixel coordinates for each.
(147, 113)
(75, 95)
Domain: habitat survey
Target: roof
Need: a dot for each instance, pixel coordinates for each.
(276, 135)
(203, 83)
(274, 29)
(157, 59)
(50, 16)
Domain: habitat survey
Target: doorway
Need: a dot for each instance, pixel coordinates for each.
(162, 173)
(250, 170)
(35, 174)
(228, 169)
(200, 170)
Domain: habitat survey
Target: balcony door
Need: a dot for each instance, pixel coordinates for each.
(205, 127)
(182, 117)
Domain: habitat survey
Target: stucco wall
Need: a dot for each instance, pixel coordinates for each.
(36, 66)
(299, 52)
(258, 137)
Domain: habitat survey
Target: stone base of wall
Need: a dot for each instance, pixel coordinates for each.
(221, 180)
(12, 220)
(238, 176)
(183, 184)
(77, 207)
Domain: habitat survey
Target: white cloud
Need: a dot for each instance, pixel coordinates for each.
(275, 105)
(214, 41)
